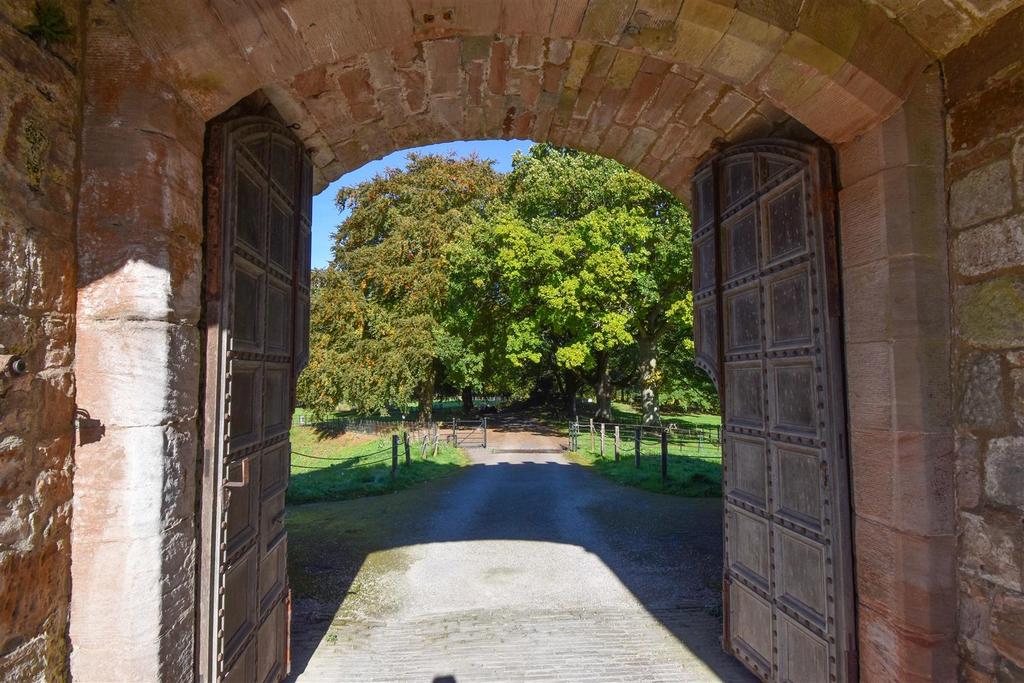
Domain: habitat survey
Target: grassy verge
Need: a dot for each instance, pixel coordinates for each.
(629, 414)
(328, 466)
(694, 469)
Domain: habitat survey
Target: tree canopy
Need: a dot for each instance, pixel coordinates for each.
(571, 271)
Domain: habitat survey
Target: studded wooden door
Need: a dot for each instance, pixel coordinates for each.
(766, 276)
(256, 321)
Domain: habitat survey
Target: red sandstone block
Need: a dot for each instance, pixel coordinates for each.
(359, 94)
(530, 87)
(636, 146)
(696, 105)
(926, 583)
(669, 97)
(753, 126)
(644, 86)
(310, 83)
(479, 18)
(650, 167)
(527, 16)
(558, 51)
(443, 66)
(606, 107)
(876, 566)
(730, 110)
(873, 461)
(667, 144)
(497, 75)
(861, 208)
(676, 172)
(475, 122)
(415, 87)
(529, 51)
(568, 17)
(922, 385)
(545, 115)
(653, 65)
(613, 141)
(622, 70)
(388, 22)
(553, 78)
(605, 19)
(584, 103)
(923, 480)
(869, 377)
(475, 83)
(867, 302)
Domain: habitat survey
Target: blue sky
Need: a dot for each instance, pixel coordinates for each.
(326, 216)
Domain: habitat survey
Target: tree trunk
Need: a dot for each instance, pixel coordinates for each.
(649, 380)
(467, 400)
(571, 388)
(603, 389)
(426, 399)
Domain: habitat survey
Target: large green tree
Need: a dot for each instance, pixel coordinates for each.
(570, 271)
(381, 328)
(591, 259)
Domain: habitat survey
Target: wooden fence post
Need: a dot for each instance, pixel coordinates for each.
(616, 443)
(485, 432)
(636, 445)
(394, 455)
(602, 439)
(664, 455)
(405, 438)
(591, 435)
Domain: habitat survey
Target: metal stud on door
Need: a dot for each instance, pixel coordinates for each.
(257, 312)
(767, 328)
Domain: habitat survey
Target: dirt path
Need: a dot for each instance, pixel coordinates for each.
(523, 568)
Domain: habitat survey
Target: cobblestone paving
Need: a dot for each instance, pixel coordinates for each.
(523, 568)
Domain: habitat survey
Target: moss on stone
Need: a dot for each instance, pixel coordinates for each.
(51, 23)
(991, 313)
(36, 146)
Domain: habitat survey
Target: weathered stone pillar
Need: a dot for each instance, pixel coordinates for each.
(38, 142)
(896, 304)
(139, 281)
(985, 105)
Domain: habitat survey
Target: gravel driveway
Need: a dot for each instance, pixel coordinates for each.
(523, 567)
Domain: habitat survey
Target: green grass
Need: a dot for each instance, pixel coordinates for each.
(626, 413)
(327, 466)
(694, 470)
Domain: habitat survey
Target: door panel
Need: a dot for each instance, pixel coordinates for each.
(766, 274)
(258, 213)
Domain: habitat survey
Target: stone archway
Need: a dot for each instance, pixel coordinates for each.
(851, 74)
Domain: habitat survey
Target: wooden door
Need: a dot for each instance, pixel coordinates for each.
(767, 329)
(256, 321)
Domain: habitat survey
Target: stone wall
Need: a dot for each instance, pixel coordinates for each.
(896, 316)
(139, 246)
(985, 127)
(38, 125)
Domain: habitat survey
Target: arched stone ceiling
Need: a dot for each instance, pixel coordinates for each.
(650, 82)
(649, 113)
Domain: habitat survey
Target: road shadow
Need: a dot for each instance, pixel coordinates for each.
(666, 550)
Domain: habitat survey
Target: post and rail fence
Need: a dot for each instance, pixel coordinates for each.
(428, 436)
(702, 442)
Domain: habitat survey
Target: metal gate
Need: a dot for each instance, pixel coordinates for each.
(765, 273)
(466, 433)
(258, 188)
